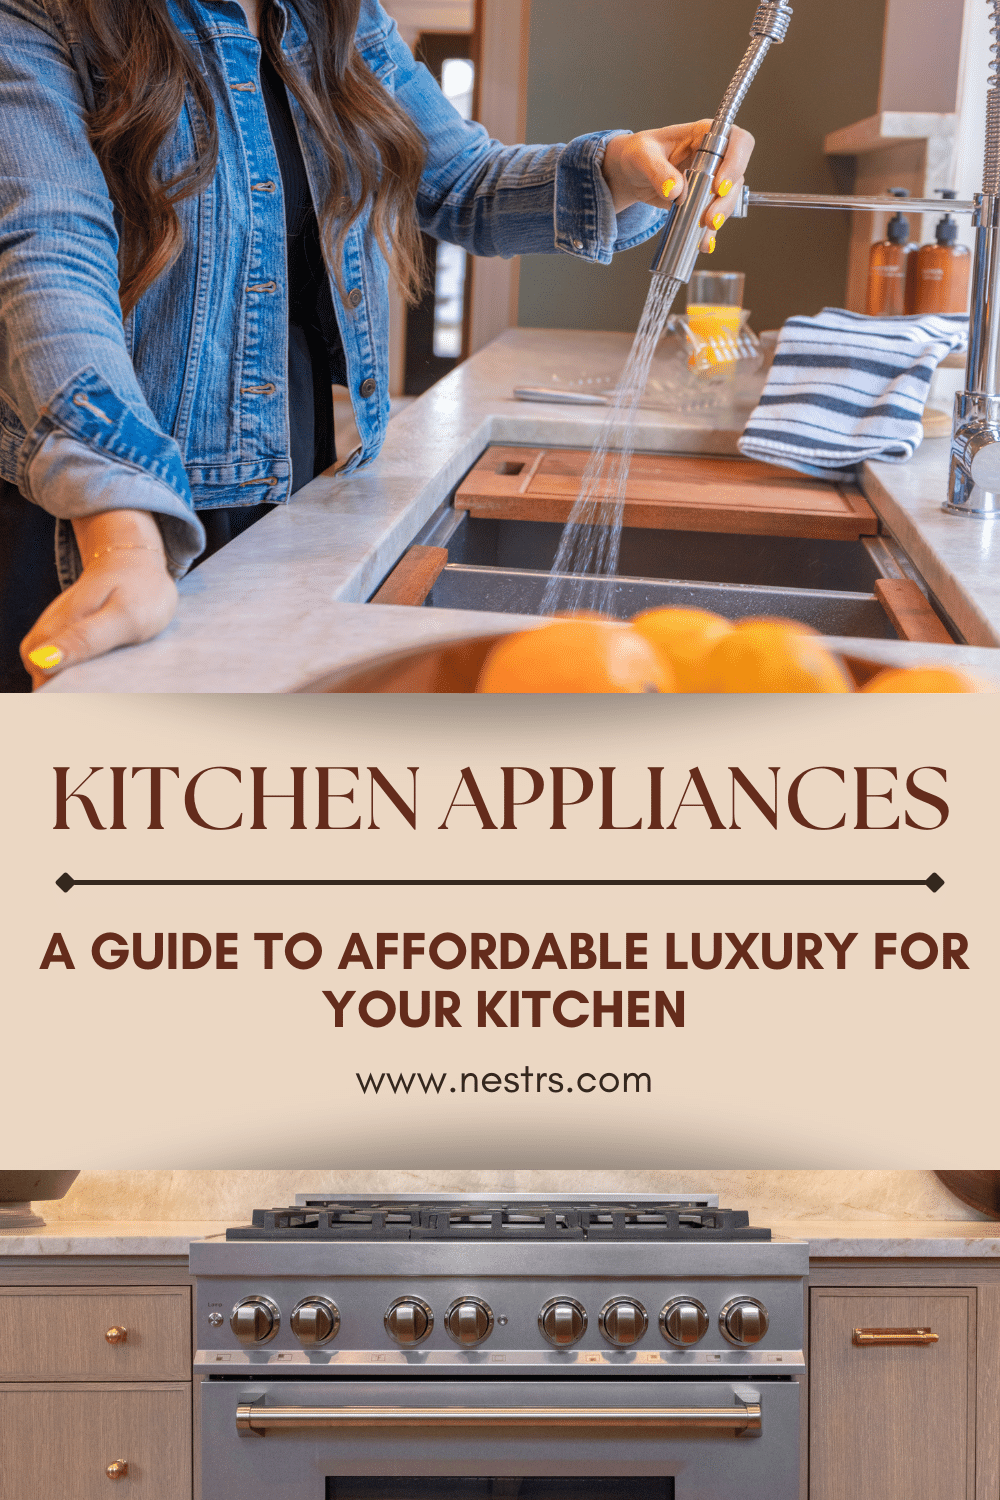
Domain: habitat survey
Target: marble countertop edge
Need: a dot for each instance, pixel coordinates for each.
(114, 1237)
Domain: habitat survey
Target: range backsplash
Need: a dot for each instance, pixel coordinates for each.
(771, 1196)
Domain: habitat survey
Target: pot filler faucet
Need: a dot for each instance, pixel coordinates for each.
(974, 473)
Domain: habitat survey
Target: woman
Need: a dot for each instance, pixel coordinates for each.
(201, 203)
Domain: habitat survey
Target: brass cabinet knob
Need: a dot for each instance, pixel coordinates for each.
(117, 1334)
(117, 1470)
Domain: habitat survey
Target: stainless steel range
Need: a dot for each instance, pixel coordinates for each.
(646, 1348)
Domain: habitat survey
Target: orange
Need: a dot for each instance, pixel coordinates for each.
(921, 680)
(683, 637)
(575, 656)
(772, 656)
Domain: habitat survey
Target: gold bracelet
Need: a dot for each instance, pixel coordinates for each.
(126, 547)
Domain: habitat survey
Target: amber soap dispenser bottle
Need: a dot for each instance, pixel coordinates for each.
(887, 267)
(939, 272)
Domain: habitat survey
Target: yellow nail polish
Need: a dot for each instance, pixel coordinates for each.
(711, 245)
(45, 657)
(718, 221)
(725, 188)
(668, 187)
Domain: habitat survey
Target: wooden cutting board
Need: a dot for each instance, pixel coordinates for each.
(669, 492)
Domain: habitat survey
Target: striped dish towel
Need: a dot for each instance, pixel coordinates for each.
(845, 388)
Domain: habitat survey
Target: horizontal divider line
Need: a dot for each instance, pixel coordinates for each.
(932, 883)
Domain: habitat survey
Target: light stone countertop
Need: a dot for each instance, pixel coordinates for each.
(895, 1239)
(109, 1237)
(283, 603)
(836, 1239)
(958, 557)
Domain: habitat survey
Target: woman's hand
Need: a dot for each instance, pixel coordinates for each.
(651, 167)
(124, 595)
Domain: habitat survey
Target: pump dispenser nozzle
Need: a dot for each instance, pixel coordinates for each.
(947, 228)
(898, 231)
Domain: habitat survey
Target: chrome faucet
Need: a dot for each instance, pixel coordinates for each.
(974, 476)
(974, 473)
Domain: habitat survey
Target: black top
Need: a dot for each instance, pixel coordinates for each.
(315, 351)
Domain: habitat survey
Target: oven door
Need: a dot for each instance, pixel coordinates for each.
(634, 1439)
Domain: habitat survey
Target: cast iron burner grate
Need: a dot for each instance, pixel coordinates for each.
(328, 1219)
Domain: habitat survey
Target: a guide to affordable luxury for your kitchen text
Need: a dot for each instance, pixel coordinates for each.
(288, 929)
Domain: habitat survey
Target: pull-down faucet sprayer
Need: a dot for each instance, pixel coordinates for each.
(678, 249)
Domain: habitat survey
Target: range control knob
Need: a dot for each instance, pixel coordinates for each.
(469, 1321)
(623, 1321)
(408, 1321)
(743, 1321)
(683, 1322)
(255, 1320)
(315, 1320)
(562, 1321)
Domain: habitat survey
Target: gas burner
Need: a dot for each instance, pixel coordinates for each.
(564, 1222)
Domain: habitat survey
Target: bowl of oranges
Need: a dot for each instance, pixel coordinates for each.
(658, 651)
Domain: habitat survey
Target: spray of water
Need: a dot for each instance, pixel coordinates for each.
(583, 574)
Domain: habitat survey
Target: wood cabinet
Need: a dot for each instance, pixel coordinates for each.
(95, 1384)
(903, 1421)
(95, 1333)
(892, 1414)
(66, 1441)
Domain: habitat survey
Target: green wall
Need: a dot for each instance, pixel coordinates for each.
(637, 64)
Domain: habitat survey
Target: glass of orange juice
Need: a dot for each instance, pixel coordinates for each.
(715, 316)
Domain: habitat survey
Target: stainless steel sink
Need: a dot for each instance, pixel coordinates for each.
(504, 566)
(713, 557)
(519, 592)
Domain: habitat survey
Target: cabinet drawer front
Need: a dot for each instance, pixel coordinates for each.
(100, 1333)
(59, 1441)
(891, 1419)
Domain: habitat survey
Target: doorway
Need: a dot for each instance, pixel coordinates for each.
(437, 327)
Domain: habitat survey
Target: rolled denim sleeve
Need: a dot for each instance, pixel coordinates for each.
(65, 370)
(510, 200)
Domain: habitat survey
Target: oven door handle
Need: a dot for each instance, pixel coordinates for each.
(256, 1417)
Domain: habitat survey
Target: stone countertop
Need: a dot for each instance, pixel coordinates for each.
(109, 1237)
(895, 1239)
(283, 603)
(958, 557)
(833, 1239)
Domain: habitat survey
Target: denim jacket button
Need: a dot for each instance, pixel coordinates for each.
(368, 388)
(355, 297)
(578, 244)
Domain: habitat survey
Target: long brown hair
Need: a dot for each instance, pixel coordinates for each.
(146, 73)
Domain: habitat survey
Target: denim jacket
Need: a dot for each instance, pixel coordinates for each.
(184, 406)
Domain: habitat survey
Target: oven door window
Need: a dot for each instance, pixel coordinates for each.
(452, 1488)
